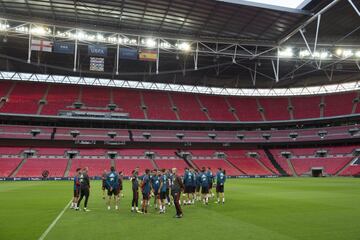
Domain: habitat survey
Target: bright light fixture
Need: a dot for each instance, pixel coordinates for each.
(294, 4)
(149, 42)
(38, 30)
(357, 54)
(287, 52)
(184, 46)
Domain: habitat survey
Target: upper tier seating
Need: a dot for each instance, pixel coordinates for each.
(217, 108)
(129, 101)
(159, 105)
(23, 101)
(275, 108)
(246, 108)
(188, 107)
(96, 97)
(68, 94)
(339, 104)
(306, 107)
(34, 167)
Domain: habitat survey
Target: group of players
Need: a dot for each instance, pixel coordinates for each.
(159, 184)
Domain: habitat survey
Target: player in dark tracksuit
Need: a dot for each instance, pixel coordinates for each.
(204, 181)
(135, 190)
(84, 188)
(146, 190)
(198, 185)
(176, 189)
(76, 189)
(168, 187)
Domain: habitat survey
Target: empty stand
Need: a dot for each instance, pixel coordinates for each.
(187, 107)
(95, 97)
(60, 97)
(96, 166)
(217, 108)
(24, 98)
(170, 163)
(8, 165)
(158, 105)
(246, 108)
(128, 101)
(214, 164)
(33, 167)
(128, 165)
(339, 104)
(330, 165)
(275, 108)
(306, 107)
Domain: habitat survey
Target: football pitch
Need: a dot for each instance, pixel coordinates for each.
(282, 208)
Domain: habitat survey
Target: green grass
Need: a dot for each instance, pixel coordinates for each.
(284, 208)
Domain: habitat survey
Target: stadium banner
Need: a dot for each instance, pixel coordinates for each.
(148, 55)
(99, 178)
(65, 48)
(128, 53)
(41, 45)
(97, 50)
(96, 64)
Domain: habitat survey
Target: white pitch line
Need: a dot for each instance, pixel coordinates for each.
(43, 236)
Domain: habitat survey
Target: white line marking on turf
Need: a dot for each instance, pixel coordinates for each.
(43, 236)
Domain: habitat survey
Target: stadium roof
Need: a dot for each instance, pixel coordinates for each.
(235, 22)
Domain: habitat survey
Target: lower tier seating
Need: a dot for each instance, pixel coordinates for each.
(34, 167)
(329, 165)
(214, 164)
(8, 165)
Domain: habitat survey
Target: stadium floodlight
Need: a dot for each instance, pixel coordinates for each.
(80, 35)
(286, 53)
(150, 42)
(100, 37)
(357, 54)
(4, 27)
(339, 51)
(39, 30)
(347, 53)
(304, 53)
(22, 29)
(184, 46)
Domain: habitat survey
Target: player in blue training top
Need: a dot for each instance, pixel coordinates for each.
(146, 190)
(188, 181)
(211, 181)
(163, 189)
(220, 182)
(204, 182)
(76, 189)
(112, 185)
(198, 185)
(155, 184)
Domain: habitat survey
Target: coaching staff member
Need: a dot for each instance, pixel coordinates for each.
(84, 188)
(176, 190)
